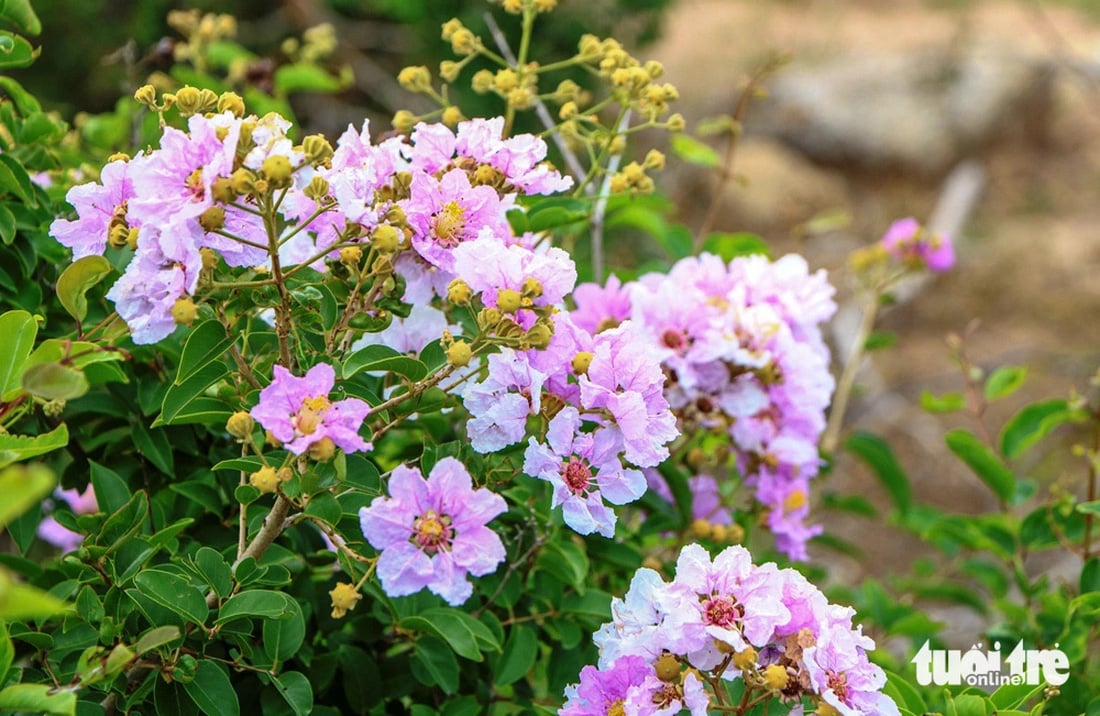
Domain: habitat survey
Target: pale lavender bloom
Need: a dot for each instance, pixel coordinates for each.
(627, 381)
(584, 469)
(706, 501)
(601, 690)
(269, 136)
(164, 269)
(501, 404)
(432, 533)
(648, 620)
(433, 147)
(910, 243)
(423, 281)
(299, 413)
(519, 158)
(841, 674)
(50, 530)
(174, 182)
(412, 334)
(97, 205)
(246, 226)
(445, 212)
(601, 307)
(489, 265)
(654, 697)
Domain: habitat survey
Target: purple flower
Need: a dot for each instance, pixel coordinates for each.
(50, 530)
(584, 469)
(519, 159)
(841, 674)
(654, 697)
(489, 265)
(97, 207)
(601, 307)
(432, 532)
(601, 691)
(501, 404)
(299, 413)
(911, 244)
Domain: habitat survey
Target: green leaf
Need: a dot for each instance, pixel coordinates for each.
(1015, 696)
(186, 403)
(305, 77)
(461, 631)
(520, 651)
(13, 177)
(730, 246)
(566, 561)
(156, 637)
(1090, 576)
(111, 491)
(553, 217)
(214, 570)
(38, 699)
(969, 705)
(22, 487)
(154, 446)
(206, 344)
(18, 329)
(693, 151)
(983, 461)
(1034, 422)
(19, 601)
(325, 507)
(54, 381)
(1005, 381)
(7, 652)
(880, 457)
(1089, 508)
(16, 52)
(174, 593)
(946, 403)
(295, 688)
(75, 281)
(7, 222)
(283, 637)
(384, 358)
(20, 15)
(263, 603)
(15, 448)
(212, 691)
(438, 662)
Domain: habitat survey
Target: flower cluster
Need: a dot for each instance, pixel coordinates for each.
(910, 244)
(432, 532)
(743, 357)
(723, 620)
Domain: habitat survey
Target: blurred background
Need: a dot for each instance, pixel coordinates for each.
(979, 116)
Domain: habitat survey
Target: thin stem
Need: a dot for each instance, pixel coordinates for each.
(847, 381)
(600, 210)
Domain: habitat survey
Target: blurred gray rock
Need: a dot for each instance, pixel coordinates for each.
(919, 112)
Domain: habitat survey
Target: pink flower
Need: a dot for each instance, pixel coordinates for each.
(501, 404)
(599, 691)
(489, 265)
(654, 697)
(298, 411)
(911, 244)
(50, 530)
(97, 206)
(601, 307)
(432, 532)
(584, 469)
(841, 674)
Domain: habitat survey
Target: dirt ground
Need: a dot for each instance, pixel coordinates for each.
(1029, 253)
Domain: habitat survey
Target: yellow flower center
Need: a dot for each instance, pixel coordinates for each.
(448, 223)
(311, 414)
(432, 531)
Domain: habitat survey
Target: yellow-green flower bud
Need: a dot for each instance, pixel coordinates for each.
(386, 239)
(506, 80)
(117, 235)
(581, 361)
(568, 110)
(745, 659)
(322, 450)
(654, 69)
(488, 318)
(277, 170)
(351, 255)
(448, 70)
(192, 100)
(485, 174)
(618, 183)
(512, 6)
(266, 480)
(146, 95)
(415, 78)
(317, 189)
(132, 238)
(240, 425)
(482, 81)
(209, 258)
(452, 116)
(317, 148)
(54, 408)
(655, 160)
(667, 668)
(242, 181)
(539, 335)
(212, 219)
(222, 190)
(545, 5)
(118, 157)
(463, 42)
(676, 123)
(735, 534)
(458, 292)
(700, 528)
(231, 102)
(459, 354)
(403, 121)
(344, 598)
(719, 533)
(184, 311)
(775, 677)
(532, 287)
(508, 300)
(617, 145)
(521, 97)
(450, 28)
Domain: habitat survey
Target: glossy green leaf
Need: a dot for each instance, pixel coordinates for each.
(7, 652)
(1032, 423)
(1005, 381)
(945, 403)
(566, 561)
(75, 281)
(15, 448)
(37, 699)
(880, 457)
(212, 691)
(463, 633)
(730, 246)
(206, 343)
(214, 570)
(15, 52)
(18, 329)
(983, 462)
(20, 15)
(295, 688)
(174, 593)
(384, 359)
(521, 649)
(111, 491)
(261, 603)
(284, 636)
(693, 151)
(437, 662)
(186, 402)
(156, 637)
(13, 177)
(7, 225)
(54, 381)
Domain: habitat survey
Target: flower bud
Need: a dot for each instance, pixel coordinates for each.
(222, 190)
(322, 450)
(458, 292)
(266, 480)
(539, 335)
(240, 425)
(415, 78)
(403, 121)
(719, 533)
(545, 5)
(188, 100)
(212, 219)
(146, 95)
(521, 97)
(351, 255)
(676, 123)
(242, 181)
(277, 170)
(54, 408)
(667, 668)
(209, 258)
(231, 102)
(654, 69)
(459, 354)
(118, 157)
(488, 318)
(512, 6)
(508, 300)
(655, 160)
(581, 361)
(317, 189)
(775, 677)
(448, 70)
(505, 80)
(700, 528)
(463, 42)
(745, 659)
(317, 148)
(184, 311)
(482, 81)
(344, 598)
(132, 238)
(452, 116)
(385, 239)
(118, 234)
(450, 28)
